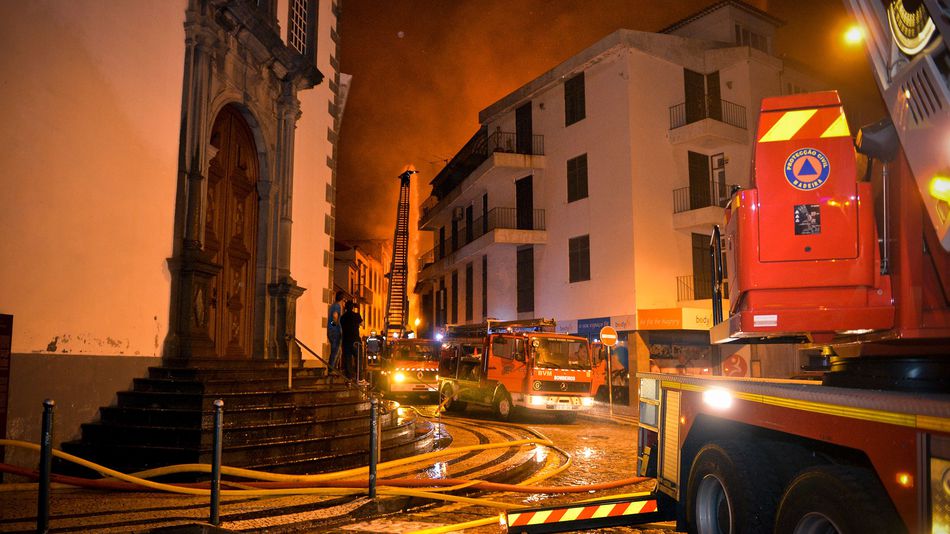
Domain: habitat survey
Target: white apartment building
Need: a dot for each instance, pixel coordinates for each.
(589, 194)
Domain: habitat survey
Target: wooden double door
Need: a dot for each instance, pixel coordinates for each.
(231, 234)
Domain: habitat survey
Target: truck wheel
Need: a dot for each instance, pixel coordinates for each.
(836, 499)
(503, 405)
(731, 490)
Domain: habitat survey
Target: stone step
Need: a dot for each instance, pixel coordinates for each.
(254, 434)
(230, 385)
(196, 373)
(225, 363)
(245, 399)
(128, 458)
(277, 413)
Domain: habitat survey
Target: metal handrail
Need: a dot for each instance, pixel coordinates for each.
(366, 389)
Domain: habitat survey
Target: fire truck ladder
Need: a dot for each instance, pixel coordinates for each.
(493, 327)
(397, 302)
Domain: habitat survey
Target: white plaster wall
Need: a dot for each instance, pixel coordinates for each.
(605, 215)
(502, 282)
(658, 169)
(90, 99)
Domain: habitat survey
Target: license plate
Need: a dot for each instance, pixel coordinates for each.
(563, 406)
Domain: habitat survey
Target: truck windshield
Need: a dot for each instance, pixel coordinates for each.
(415, 352)
(560, 353)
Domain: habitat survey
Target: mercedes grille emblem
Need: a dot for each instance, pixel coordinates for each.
(537, 385)
(563, 386)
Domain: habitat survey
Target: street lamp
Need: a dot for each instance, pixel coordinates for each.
(854, 35)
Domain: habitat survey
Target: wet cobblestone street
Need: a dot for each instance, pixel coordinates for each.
(601, 451)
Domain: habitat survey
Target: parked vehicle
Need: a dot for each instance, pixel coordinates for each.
(410, 366)
(516, 366)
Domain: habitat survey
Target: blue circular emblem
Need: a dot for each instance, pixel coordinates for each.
(807, 169)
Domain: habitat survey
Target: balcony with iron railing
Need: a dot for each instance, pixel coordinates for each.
(697, 287)
(482, 153)
(709, 124)
(506, 225)
(697, 209)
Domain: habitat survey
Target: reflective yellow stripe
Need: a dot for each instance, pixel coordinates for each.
(539, 517)
(922, 422)
(839, 128)
(788, 125)
(602, 511)
(571, 514)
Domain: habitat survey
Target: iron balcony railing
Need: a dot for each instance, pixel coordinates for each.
(476, 151)
(694, 198)
(721, 110)
(697, 287)
(498, 218)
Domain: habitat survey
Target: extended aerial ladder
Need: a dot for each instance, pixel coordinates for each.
(397, 302)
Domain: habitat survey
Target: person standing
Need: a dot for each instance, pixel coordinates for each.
(335, 330)
(350, 321)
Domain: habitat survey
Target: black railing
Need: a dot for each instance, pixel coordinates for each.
(694, 198)
(510, 142)
(498, 218)
(697, 287)
(476, 151)
(722, 111)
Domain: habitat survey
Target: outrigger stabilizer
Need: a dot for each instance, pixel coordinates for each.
(634, 509)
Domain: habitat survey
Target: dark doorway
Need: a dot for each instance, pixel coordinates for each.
(702, 267)
(695, 85)
(699, 190)
(231, 233)
(713, 97)
(523, 129)
(524, 198)
(525, 274)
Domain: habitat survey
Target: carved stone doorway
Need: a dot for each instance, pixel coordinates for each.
(231, 233)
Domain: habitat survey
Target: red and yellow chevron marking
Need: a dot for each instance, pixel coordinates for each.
(579, 513)
(803, 124)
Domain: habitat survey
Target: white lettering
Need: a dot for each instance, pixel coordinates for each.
(565, 378)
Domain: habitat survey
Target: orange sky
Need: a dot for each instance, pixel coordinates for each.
(423, 69)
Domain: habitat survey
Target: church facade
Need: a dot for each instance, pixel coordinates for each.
(169, 186)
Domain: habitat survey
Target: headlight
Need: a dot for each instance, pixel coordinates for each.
(399, 377)
(587, 401)
(538, 400)
(718, 398)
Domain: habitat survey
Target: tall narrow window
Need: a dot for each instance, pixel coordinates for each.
(525, 270)
(579, 258)
(455, 297)
(484, 286)
(469, 291)
(702, 267)
(577, 178)
(574, 104)
(301, 25)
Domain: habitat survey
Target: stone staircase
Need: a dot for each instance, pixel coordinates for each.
(320, 425)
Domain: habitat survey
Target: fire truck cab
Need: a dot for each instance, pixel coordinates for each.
(410, 366)
(514, 367)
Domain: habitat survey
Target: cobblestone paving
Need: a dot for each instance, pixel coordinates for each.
(601, 450)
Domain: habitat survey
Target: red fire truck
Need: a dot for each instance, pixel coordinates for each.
(409, 366)
(516, 365)
(821, 254)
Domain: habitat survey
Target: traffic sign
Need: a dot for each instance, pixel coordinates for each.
(608, 336)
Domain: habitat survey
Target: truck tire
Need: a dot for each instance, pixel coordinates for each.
(502, 404)
(447, 399)
(731, 490)
(831, 498)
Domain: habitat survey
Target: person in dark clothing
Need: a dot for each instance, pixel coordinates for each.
(350, 321)
(334, 331)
